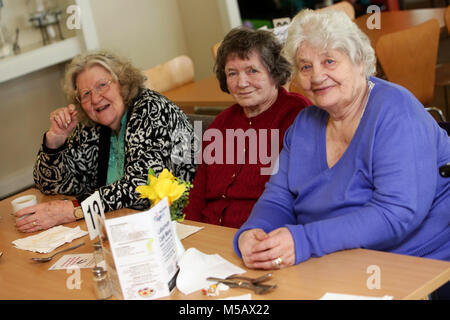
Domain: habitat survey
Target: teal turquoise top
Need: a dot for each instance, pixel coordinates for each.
(117, 153)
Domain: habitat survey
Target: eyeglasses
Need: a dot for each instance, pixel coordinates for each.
(100, 87)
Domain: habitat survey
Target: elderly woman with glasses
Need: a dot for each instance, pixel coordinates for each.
(108, 137)
(370, 153)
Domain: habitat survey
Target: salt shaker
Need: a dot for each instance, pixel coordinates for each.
(101, 283)
(98, 253)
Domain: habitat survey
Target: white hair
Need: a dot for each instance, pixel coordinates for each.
(330, 30)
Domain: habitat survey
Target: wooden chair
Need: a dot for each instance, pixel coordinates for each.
(204, 118)
(433, 4)
(171, 74)
(391, 5)
(408, 58)
(294, 86)
(214, 49)
(443, 70)
(345, 6)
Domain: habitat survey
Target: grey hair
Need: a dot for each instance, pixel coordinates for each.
(130, 79)
(330, 30)
(241, 42)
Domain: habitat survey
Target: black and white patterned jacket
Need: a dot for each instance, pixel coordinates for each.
(158, 134)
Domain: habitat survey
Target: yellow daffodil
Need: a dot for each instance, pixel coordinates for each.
(147, 192)
(166, 174)
(170, 189)
(165, 185)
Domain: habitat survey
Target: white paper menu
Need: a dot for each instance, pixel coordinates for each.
(143, 249)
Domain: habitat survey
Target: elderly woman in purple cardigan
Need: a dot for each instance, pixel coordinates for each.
(358, 169)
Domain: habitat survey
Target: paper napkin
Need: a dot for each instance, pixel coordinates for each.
(184, 230)
(341, 296)
(48, 240)
(196, 266)
(247, 296)
(74, 261)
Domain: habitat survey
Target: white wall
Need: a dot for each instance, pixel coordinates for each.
(146, 31)
(25, 105)
(205, 22)
(201, 32)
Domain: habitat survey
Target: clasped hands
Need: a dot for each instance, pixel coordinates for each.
(261, 250)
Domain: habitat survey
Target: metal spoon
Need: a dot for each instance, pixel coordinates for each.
(51, 257)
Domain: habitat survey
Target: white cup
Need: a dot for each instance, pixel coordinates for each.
(23, 202)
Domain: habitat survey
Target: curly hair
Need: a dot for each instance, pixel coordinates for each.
(130, 79)
(241, 42)
(330, 30)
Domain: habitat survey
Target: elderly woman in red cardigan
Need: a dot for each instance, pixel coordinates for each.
(241, 146)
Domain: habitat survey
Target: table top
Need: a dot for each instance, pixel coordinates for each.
(202, 93)
(403, 277)
(392, 21)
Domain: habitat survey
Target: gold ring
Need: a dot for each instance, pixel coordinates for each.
(277, 261)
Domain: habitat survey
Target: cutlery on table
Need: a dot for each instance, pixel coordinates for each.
(251, 280)
(257, 288)
(51, 257)
(235, 281)
(262, 278)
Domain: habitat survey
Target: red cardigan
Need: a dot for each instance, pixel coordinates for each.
(224, 194)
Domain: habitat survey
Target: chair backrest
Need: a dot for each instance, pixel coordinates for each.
(214, 49)
(391, 5)
(408, 58)
(171, 74)
(345, 6)
(205, 119)
(447, 18)
(294, 86)
(446, 126)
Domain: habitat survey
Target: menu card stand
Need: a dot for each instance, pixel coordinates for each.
(140, 253)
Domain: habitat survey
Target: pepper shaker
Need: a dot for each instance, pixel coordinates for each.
(98, 253)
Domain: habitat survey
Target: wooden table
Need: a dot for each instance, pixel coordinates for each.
(403, 277)
(392, 21)
(203, 93)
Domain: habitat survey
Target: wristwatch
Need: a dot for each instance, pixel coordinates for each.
(77, 211)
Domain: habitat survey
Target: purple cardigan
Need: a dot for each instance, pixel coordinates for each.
(384, 193)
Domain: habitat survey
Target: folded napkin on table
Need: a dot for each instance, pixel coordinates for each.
(49, 240)
(184, 230)
(341, 296)
(196, 266)
(247, 296)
